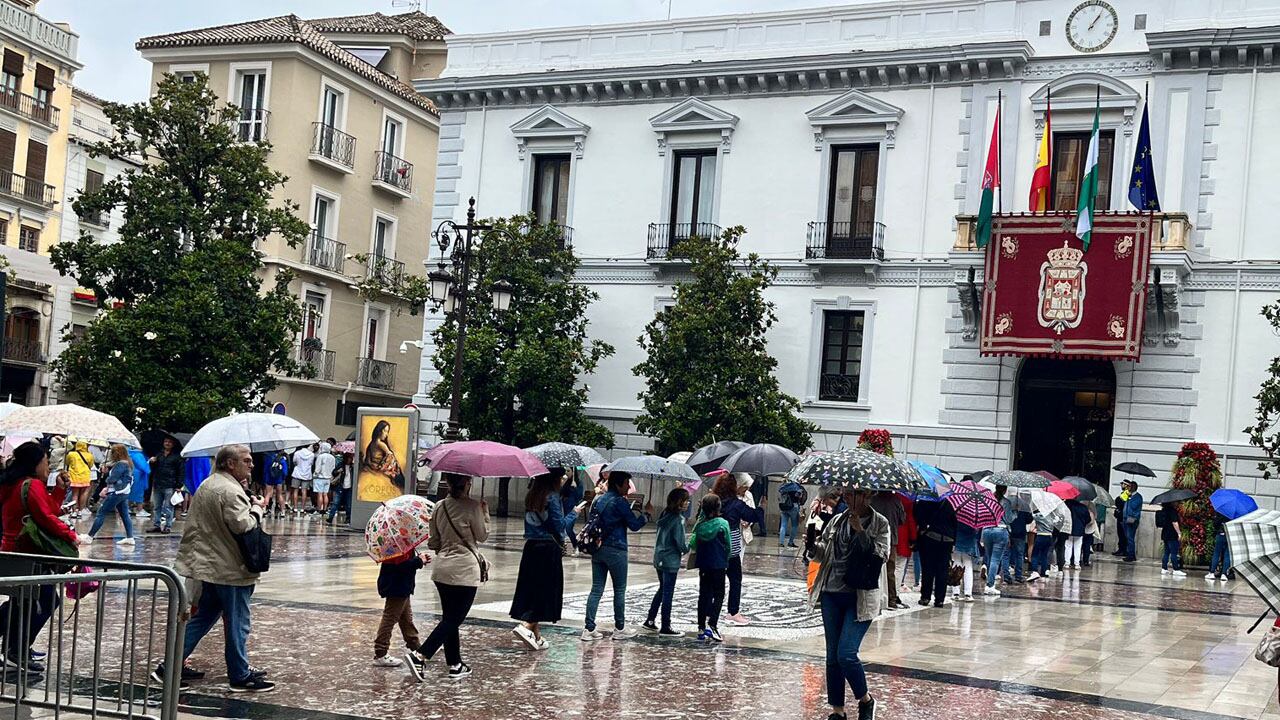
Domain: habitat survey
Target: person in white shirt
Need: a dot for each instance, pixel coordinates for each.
(303, 468)
(321, 476)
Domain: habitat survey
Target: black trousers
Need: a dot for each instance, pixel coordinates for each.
(935, 563)
(24, 616)
(1060, 548)
(734, 573)
(455, 603)
(1122, 541)
(710, 597)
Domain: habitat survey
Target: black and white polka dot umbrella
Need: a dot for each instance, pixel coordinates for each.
(857, 468)
(564, 455)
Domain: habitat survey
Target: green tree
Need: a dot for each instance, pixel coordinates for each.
(1265, 432)
(709, 374)
(187, 333)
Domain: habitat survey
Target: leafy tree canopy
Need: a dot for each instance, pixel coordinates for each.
(709, 374)
(187, 333)
(1264, 433)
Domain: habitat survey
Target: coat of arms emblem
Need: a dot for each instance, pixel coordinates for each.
(1062, 289)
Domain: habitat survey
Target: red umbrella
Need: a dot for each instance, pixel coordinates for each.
(482, 458)
(1064, 490)
(975, 505)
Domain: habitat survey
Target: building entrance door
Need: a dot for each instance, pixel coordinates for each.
(1065, 415)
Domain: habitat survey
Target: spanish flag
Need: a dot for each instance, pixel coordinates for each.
(1041, 178)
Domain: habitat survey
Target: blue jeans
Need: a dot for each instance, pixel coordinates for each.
(608, 562)
(1040, 554)
(1016, 557)
(1172, 554)
(1221, 562)
(790, 527)
(118, 502)
(995, 541)
(341, 500)
(662, 596)
(231, 603)
(1131, 535)
(162, 511)
(843, 633)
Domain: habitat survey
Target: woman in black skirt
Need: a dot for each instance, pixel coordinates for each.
(540, 587)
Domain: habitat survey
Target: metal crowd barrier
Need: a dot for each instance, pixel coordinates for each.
(100, 648)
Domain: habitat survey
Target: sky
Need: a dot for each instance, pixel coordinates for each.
(114, 70)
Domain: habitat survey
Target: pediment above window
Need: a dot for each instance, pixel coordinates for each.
(694, 117)
(855, 110)
(550, 124)
(1075, 96)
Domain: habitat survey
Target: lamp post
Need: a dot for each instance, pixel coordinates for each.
(453, 293)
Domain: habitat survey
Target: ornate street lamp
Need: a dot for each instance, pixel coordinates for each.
(452, 293)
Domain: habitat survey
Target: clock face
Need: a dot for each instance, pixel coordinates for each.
(1092, 26)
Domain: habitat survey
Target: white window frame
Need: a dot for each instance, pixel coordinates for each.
(380, 350)
(327, 294)
(844, 138)
(331, 196)
(715, 132)
(400, 120)
(181, 69)
(530, 177)
(569, 137)
(394, 222)
(341, 122)
(818, 309)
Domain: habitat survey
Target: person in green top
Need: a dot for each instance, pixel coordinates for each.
(668, 553)
(711, 545)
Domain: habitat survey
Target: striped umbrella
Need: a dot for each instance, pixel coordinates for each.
(1018, 479)
(975, 505)
(1254, 541)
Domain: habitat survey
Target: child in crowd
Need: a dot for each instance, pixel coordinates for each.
(711, 545)
(396, 580)
(668, 554)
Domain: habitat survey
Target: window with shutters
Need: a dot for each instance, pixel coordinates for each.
(93, 180)
(8, 144)
(42, 107)
(29, 238)
(4, 232)
(11, 78)
(34, 188)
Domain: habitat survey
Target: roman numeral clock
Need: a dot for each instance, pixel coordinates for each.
(1092, 26)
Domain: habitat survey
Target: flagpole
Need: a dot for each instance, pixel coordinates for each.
(1048, 130)
(999, 152)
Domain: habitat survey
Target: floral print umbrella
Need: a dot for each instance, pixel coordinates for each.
(564, 455)
(1018, 479)
(398, 527)
(975, 505)
(860, 469)
(67, 419)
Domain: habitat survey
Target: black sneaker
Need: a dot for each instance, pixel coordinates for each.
(458, 671)
(867, 710)
(669, 631)
(252, 684)
(158, 676)
(649, 625)
(415, 663)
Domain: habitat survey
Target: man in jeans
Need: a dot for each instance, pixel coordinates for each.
(995, 542)
(209, 555)
(168, 473)
(1132, 516)
(617, 516)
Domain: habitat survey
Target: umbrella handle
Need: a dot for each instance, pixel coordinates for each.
(1261, 617)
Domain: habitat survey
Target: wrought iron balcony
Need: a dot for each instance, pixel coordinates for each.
(377, 374)
(26, 189)
(839, 388)
(665, 238)
(26, 352)
(845, 241)
(1172, 233)
(29, 107)
(251, 126)
(330, 144)
(392, 171)
(315, 363)
(323, 253)
(96, 219)
(385, 270)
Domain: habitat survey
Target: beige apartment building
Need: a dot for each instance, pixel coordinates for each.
(358, 146)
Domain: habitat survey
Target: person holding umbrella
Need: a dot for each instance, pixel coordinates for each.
(616, 517)
(1122, 538)
(1171, 534)
(539, 595)
(936, 522)
(1132, 517)
(168, 474)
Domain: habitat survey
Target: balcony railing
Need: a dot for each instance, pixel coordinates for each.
(316, 363)
(330, 143)
(251, 125)
(1172, 232)
(385, 270)
(29, 107)
(96, 219)
(845, 241)
(323, 253)
(28, 352)
(377, 374)
(665, 238)
(21, 188)
(840, 388)
(391, 170)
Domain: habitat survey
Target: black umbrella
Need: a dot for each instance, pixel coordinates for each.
(708, 458)
(1088, 491)
(1172, 496)
(761, 459)
(981, 475)
(1135, 468)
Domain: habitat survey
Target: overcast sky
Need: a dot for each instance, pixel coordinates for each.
(114, 71)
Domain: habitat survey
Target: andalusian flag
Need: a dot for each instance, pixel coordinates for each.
(1041, 178)
(1089, 183)
(990, 181)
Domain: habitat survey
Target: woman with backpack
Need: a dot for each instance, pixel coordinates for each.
(539, 595)
(791, 497)
(605, 539)
(852, 549)
(669, 549)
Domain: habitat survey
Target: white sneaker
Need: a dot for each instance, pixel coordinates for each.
(143, 514)
(592, 635)
(966, 598)
(991, 591)
(1034, 576)
(127, 542)
(84, 539)
(625, 633)
(1210, 577)
(526, 636)
(1164, 571)
(1178, 573)
(387, 661)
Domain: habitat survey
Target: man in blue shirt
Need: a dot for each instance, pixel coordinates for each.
(1132, 516)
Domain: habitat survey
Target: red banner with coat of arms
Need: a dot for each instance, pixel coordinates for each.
(1045, 296)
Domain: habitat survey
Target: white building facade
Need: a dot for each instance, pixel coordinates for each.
(850, 143)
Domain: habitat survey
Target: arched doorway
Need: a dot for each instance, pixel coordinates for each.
(1065, 415)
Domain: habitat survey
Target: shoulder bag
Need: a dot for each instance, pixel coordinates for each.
(863, 569)
(255, 548)
(40, 540)
(1268, 650)
(480, 559)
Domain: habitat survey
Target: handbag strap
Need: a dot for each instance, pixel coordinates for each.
(445, 509)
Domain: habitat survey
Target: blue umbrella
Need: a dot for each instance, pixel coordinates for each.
(1232, 503)
(933, 477)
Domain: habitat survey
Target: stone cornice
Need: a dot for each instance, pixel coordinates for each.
(1222, 49)
(709, 80)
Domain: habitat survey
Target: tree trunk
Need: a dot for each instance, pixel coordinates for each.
(508, 430)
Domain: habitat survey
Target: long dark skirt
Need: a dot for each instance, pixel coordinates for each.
(540, 587)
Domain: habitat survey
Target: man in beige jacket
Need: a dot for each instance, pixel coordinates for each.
(210, 555)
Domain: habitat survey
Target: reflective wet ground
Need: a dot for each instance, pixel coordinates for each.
(1110, 641)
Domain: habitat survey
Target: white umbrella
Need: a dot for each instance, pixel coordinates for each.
(8, 407)
(262, 432)
(67, 420)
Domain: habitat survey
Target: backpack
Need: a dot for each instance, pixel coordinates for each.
(591, 538)
(1161, 519)
(277, 468)
(786, 501)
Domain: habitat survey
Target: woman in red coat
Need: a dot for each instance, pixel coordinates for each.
(30, 462)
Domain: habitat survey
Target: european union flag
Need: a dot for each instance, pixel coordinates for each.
(1142, 183)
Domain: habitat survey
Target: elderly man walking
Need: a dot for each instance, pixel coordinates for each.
(210, 556)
